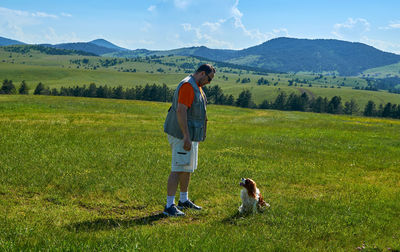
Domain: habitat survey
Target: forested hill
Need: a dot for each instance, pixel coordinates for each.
(278, 55)
(7, 42)
(293, 55)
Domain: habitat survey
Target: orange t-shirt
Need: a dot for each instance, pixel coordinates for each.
(186, 94)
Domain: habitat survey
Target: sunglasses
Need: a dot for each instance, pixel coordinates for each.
(209, 79)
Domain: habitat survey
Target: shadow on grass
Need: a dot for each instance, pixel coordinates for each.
(111, 223)
(234, 218)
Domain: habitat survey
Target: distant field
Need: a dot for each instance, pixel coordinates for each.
(90, 174)
(56, 71)
(383, 72)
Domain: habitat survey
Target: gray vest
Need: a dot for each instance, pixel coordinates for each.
(196, 114)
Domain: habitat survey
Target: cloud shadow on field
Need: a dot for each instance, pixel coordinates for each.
(112, 223)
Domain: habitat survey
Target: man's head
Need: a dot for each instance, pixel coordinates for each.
(204, 74)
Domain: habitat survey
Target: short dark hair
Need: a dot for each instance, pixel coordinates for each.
(206, 68)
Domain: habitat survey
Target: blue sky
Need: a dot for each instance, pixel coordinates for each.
(224, 24)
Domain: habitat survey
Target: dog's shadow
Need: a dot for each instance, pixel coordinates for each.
(112, 223)
(234, 218)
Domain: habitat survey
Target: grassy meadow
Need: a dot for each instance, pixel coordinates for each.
(90, 174)
(56, 71)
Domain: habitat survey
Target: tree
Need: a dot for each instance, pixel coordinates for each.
(54, 92)
(39, 88)
(264, 105)
(335, 105)
(304, 102)
(244, 99)
(293, 102)
(216, 95)
(351, 107)
(370, 109)
(230, 100)
(8, 87)
(280, 101)
(92, 90)
(388, 110)
(23, 89)
(118, 93)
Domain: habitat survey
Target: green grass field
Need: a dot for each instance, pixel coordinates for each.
(382, 72)
(90, 174)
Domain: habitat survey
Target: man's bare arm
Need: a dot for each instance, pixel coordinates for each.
(181, 114)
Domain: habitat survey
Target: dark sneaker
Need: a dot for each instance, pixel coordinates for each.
(188, 204)
(173, 211)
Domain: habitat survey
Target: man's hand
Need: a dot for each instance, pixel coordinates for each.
(187, 144)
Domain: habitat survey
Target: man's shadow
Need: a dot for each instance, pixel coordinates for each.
(112, 223)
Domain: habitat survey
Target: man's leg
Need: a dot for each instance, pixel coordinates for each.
(172, 185)
(184, 202)
(184, 180)
(170, 208)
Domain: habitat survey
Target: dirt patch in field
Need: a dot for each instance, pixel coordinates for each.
(308, 92)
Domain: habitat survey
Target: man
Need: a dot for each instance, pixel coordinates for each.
(186, 125)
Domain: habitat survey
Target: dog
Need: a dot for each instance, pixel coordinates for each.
(252, 200)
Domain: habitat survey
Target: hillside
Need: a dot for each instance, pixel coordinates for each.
(107, 44)
(58, 67)
(327, 56)
(7, 42)
(293, 55)
(85, 47)
(296, 55)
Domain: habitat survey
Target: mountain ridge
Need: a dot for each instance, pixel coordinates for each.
(279, 54)
(6, 42)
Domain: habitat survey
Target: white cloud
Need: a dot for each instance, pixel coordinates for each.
(66, 14)
(216, 34)
(213, 27)
(31, 27)
(281, 32)
(51, 36)
(204, 35)
(395, 26)
(146, 27)
(13, 22)
(352, 29)
(152, 8)
(382, 45)
(254, 34)
(391, 26)
(43, 15)
(182, 4)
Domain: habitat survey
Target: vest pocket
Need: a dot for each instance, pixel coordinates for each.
(196, 130)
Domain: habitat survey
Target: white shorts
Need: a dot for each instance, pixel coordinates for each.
(182, 160)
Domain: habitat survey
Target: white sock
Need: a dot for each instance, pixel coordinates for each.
(183, 196)
(170, 201)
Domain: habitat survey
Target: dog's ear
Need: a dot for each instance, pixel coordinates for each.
(251, 188)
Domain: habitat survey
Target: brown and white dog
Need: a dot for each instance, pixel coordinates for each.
(252, 200)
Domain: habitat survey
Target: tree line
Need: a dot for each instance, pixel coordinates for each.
(215, 95)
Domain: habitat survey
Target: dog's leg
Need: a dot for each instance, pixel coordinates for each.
(241, 209)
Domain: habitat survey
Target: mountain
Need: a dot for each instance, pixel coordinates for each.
(106, 44)
(319, 55)
(82, 46)
(7, 42)
(279, 55)
(291, 55)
